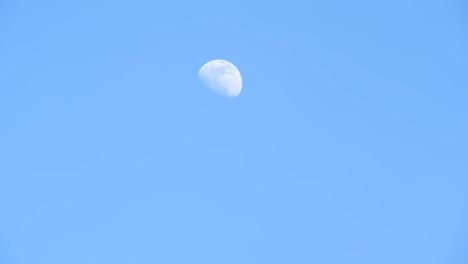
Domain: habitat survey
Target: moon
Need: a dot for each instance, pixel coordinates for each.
(222, 77)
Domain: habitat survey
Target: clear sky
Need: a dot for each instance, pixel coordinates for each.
(348, 143)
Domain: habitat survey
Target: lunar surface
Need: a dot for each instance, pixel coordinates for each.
(222, 77)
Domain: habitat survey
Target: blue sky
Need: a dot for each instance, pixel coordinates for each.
(348, 143)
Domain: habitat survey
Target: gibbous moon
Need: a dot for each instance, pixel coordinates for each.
(222, 77)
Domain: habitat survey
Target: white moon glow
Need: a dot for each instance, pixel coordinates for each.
(222, 77)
